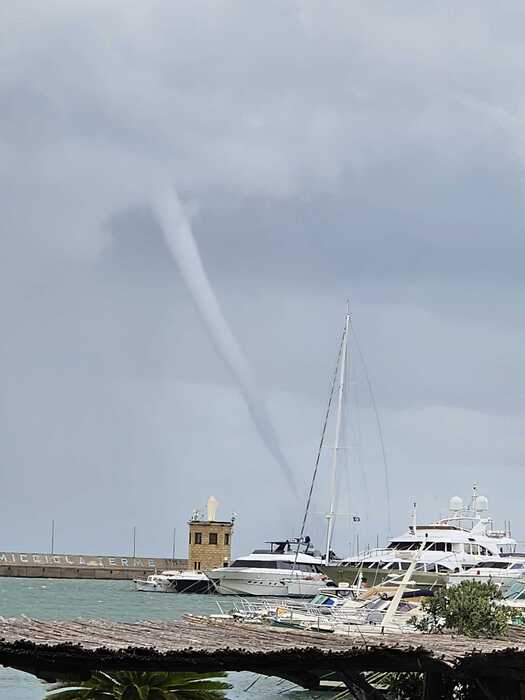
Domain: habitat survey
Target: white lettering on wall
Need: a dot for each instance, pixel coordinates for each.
(8, 558)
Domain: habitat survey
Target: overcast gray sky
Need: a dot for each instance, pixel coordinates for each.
(324, 150)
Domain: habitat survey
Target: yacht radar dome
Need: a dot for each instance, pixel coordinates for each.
(481, 504)
(455, 504)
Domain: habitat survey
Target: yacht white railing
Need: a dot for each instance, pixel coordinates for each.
(376, 552)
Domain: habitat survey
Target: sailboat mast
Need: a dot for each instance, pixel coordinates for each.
(342, 373)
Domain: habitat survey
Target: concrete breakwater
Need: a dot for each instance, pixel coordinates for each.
(38, 565)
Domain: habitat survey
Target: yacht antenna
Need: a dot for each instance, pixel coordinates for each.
(474, 500)
(330, 516)
(414, 518)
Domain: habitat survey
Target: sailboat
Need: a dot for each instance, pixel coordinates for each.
(284, 569)
(452, 544)
(331, 515)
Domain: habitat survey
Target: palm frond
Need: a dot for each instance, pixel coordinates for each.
(135, 685)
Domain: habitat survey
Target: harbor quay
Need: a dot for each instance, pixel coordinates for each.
(83, 566)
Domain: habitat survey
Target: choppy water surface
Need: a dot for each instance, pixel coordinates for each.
(116, 600)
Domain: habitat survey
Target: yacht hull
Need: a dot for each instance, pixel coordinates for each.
(200, 586)
(267, 584)
(348, 574)
(182, 584)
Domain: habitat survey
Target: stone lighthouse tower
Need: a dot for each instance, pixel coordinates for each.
(209, 539)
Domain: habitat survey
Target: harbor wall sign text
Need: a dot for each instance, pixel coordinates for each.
(83, 560)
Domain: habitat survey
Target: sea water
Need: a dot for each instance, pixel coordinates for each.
(54, 599)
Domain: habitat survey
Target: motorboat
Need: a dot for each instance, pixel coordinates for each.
(502, 572)
(154, 583)
(392, 607)
(176, 582)
(286, 569)
(334, 611)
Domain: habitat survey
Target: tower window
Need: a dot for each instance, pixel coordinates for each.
(213, 538)
(198, 538)
(227, 538)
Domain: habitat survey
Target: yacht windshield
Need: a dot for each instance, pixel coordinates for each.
(254, 564)
(493, 565)
(515, 592)
(272, 564)
(322, 599)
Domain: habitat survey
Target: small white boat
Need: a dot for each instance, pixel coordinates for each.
(502, 572)
(176, 582)
(154, 583)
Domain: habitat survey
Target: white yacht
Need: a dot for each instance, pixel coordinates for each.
(283, 570)
(458, 542)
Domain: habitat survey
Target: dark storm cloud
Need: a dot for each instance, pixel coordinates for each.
(324, 150)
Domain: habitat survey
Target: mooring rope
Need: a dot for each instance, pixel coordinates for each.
(379, 430)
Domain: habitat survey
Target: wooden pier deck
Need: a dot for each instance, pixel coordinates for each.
(48, 649)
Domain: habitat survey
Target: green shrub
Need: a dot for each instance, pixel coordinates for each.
(471, 608)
